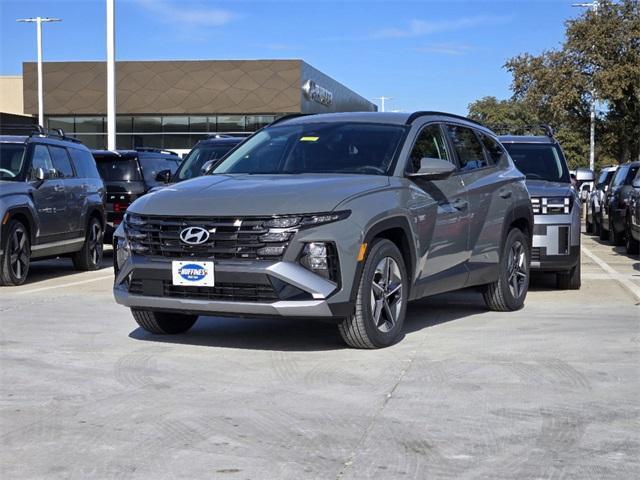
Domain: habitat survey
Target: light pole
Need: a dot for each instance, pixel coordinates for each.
(111, 76)
(382, 100)
(39, 21)
(593, 6)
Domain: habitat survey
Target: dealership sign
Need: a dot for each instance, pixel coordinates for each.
(314, 92)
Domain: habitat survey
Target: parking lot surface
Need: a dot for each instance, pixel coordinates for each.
(550, 391)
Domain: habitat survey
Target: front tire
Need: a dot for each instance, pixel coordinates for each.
(616, 238)
(509, 291)
(602, 233)
(163, 323)
(90, 257)
(596, 223)
(381, 303)
(14, 264)
(571, 279)
(632, 245)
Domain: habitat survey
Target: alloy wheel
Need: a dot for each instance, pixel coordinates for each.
(95, 243)
(517, 269)
(386, 294)
(19, 253)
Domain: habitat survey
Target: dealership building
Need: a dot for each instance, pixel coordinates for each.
(173, 104)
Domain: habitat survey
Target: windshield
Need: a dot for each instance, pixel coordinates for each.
(11, 158)
(539, 161)
(114, 169)
(317, 148)
(192, 165)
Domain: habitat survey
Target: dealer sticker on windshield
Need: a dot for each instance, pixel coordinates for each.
(192, 273)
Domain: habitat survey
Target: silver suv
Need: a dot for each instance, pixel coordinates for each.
(342, 217)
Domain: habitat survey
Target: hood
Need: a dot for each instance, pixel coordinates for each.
(255, 195)
(544, 188)
(11, 188)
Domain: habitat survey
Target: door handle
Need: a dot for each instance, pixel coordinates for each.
(58, 188)
(506, 194)
(460, 204)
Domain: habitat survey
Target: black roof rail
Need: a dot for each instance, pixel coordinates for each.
(38, 130)
(524, 129)
(287, 117)
(416, 115)
(156, 150)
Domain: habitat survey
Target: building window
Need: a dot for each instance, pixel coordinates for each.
(147, 124)
(198, 124)
(256, 122)
(231, 123)
(65, 123)
(89, 125)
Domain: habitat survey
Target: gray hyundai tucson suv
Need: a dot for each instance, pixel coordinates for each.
(340, 217)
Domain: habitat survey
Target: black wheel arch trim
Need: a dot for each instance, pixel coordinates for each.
(374, 231)
(518, 211)
(26, 212)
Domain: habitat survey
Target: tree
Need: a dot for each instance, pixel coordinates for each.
(601, 55)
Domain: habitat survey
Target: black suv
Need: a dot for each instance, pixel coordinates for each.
(204, 155)
(615, 210)
(129, 174)
(51, 203)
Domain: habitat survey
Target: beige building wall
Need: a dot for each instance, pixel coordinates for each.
(11, 96)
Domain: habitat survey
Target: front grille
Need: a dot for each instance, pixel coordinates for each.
(536, 254)
(227, 292)
(229, 238)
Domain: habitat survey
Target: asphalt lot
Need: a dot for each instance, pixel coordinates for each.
(551, 391)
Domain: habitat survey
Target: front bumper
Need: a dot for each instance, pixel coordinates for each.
(556, 242)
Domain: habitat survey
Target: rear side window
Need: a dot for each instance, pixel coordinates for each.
(468, 147)
(631, 175)
(430, 144)
(494, 151)
(41, 159)
(621, 174)
(84, 163)
(61, 162)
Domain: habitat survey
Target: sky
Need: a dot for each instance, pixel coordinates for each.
(426, 55)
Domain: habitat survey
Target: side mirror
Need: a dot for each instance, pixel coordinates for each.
(207, 167)
(434, 169)
(163, 176)
(39, 175)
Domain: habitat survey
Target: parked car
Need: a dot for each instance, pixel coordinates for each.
(204, 155)
(340, 217)
(556, 206)
(51, 203)
(615, 210)
(129, 174)
(596, 198)
(585, 179)
(632, 229)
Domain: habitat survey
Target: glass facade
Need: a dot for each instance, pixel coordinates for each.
(168, 131)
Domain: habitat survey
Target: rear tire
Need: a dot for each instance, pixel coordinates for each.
(381, 303)
(632, 245)
(602, 233)
(510, 290)
(90, 257)
(596, 223)
(163, 323)
(616, 238)
(588, 225)
(571, 279)
(14, 263)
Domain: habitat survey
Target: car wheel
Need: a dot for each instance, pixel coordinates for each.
(381, 303)
(588, 225)
(632, 245)
(509, 291)
(14, 264)
(163, 323)
(571, 279)
(596, 223)
(90, 257)
(603, 234)
(616, 238)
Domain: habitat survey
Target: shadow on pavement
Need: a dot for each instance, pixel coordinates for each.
(308, 335)
(42, 270)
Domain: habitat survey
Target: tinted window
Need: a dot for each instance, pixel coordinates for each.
(495, 152)
(151, 166)
(11, 158)
(61, 162)
(336, 147)
(116, 169)
(468, 148)
(605, 178)
(631, 175)
(197, 157)
(41, 159)
(539, 161)
(621, 174)
(84, 163)
(430, 144)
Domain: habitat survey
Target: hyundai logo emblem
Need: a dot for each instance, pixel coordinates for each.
(194, 235)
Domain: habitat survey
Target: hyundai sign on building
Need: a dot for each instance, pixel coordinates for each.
(173, 104)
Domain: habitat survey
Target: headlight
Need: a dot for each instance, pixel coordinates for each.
(122, 252)
(132, 233)
(551, 205)
(134, 220)
(321, 258)
(303, 221)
